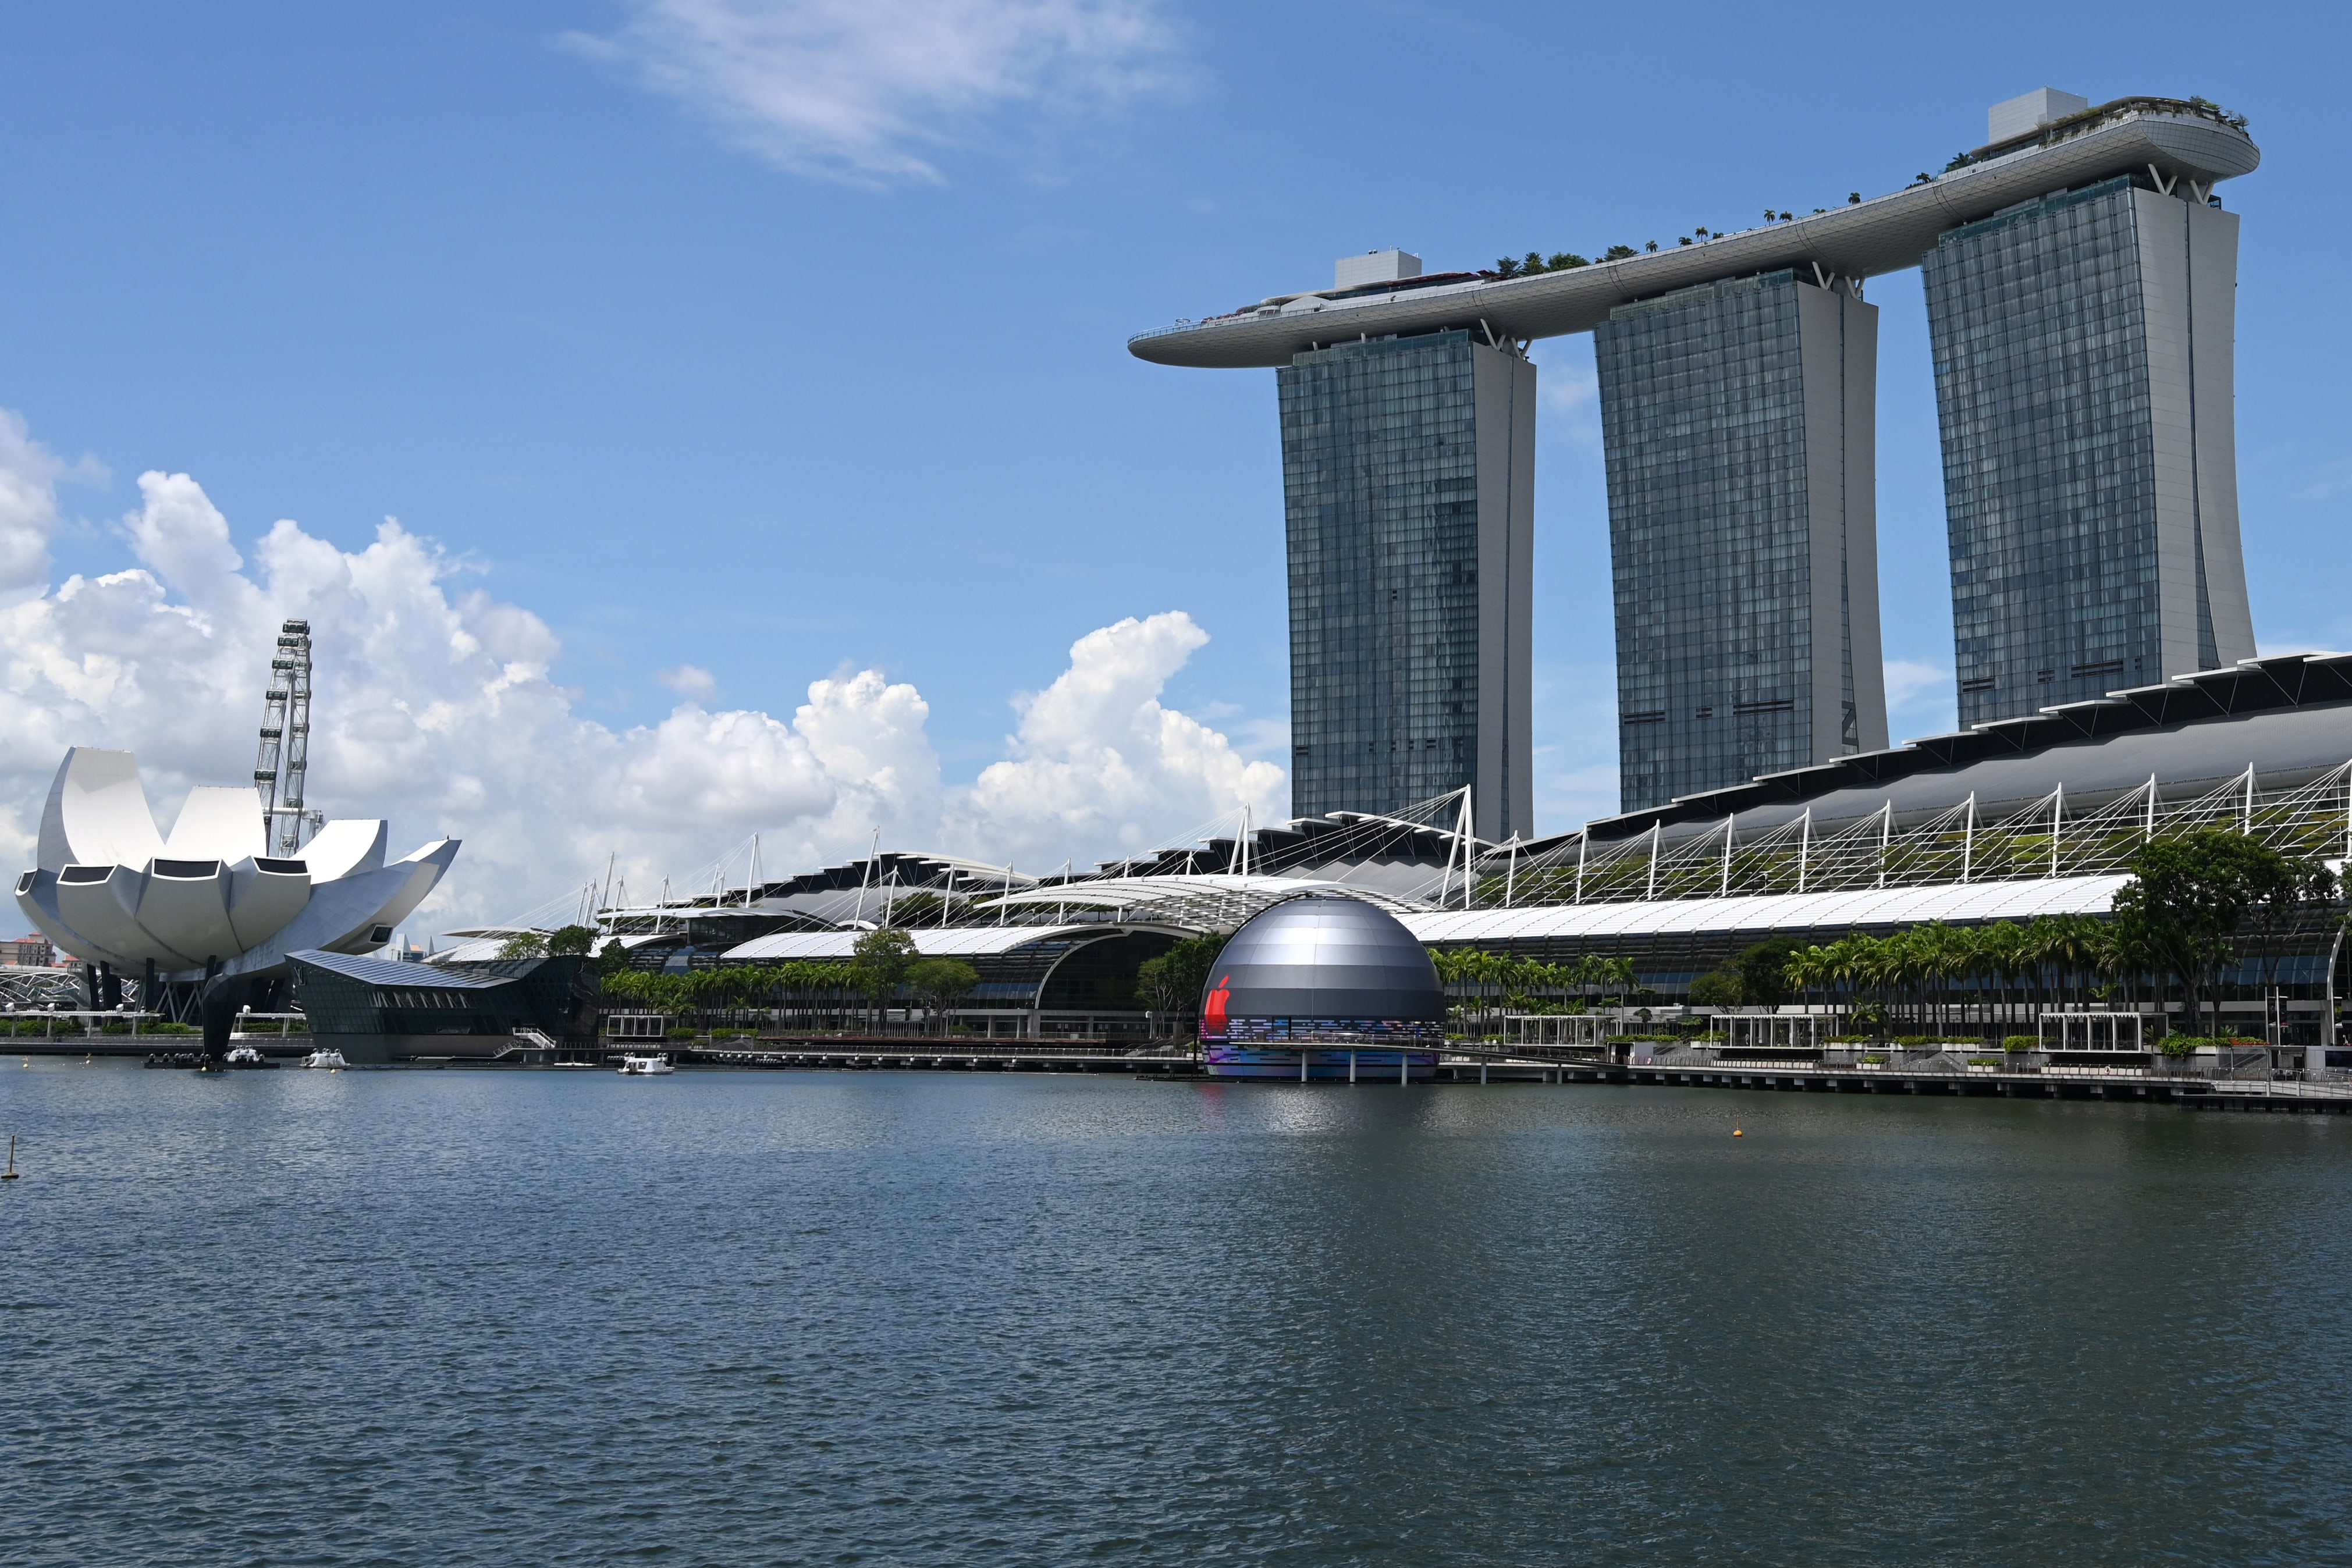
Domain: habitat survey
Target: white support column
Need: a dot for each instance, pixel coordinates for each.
(2057, 824)
(1446, 881)
(1724, 890)
(1463, 828)
(1805, 848)
(2246, 819)
(2149, 832)
(1656, 830)
(1969, 840)
(1885, 832)
(1584, 843)
(2328, 1036)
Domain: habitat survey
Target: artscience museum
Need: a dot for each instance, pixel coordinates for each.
(204, 917)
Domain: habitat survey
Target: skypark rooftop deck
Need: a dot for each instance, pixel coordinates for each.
(2164, 139)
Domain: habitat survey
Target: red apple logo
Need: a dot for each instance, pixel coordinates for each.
(1213, 1012)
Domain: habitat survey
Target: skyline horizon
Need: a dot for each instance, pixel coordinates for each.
(579, 343)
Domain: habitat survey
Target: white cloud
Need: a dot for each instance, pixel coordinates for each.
(864, 91)
(1098, 757)
(2332, 480)
(1569, 390)
(436, 708)
(691, 682)
(1920, 699)
(28, 509)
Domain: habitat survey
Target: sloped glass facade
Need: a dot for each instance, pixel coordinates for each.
(1388, 657)
(2084, 390)
(1713, 544)
(2040, 321)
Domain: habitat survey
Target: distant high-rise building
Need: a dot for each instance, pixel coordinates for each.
(1408, 477)
(2082, 346)
(1737, 422)
(2082, 322)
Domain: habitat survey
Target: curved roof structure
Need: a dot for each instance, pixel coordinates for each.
(1326, 956)
(1199, 903)
(939, 941)
(2288, 717)
(2164, 138)
(1786, 913)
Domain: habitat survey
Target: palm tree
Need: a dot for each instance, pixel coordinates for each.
(2006, 950)
(1804, 970)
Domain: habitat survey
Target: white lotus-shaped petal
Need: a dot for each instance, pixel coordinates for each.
(109, 889)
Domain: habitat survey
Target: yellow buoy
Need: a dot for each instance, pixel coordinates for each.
(1737, 1133)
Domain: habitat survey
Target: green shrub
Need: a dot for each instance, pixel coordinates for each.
(2177, 1047)
(728, 1033)
(1875, 1058)
(2021, 1043)
(683, 1033)
(1984, 1061)
(171, 1029)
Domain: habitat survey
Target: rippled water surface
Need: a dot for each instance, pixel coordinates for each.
(899, 1318)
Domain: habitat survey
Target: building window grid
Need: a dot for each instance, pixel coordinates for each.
(1710, 536)
(1381, 491)
(2037, 324)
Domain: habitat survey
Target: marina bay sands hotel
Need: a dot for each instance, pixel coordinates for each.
(2080, 274)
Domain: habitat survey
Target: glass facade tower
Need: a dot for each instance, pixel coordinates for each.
(1408, 471)
(2082, 346)
(1738, 427)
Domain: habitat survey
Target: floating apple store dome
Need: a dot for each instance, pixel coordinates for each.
(1323, 967)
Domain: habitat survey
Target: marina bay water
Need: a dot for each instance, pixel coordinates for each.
(905, 1318)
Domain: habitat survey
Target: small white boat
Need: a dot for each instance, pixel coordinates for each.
(326, 1056)
(246, 1056)
(644, 1066)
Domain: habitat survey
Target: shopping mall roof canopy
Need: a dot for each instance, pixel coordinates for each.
(1205, 903)
(932, 942)
(1791, 914)
(2288, 717)
(2164, 138)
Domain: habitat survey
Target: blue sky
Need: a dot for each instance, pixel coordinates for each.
(801, 353)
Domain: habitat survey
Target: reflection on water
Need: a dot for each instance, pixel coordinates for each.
(909, 1318)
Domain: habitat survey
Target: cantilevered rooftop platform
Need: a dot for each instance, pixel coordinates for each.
(2167, 139)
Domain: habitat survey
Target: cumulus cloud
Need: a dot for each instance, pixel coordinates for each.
(1098, 759)
(28, 509)
(864, 91)
(434, 708)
